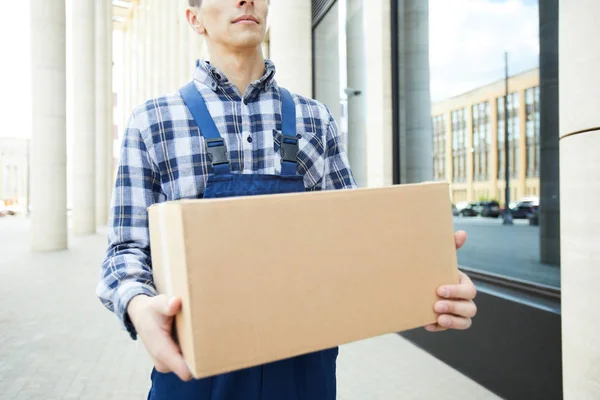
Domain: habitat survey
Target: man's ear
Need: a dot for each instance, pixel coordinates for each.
(193, 19)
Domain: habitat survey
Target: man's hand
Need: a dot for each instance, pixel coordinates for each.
(153, 320)
(457, 308)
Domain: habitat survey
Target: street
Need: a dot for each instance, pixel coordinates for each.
(511, 251)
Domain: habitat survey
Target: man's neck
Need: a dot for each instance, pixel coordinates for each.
(241, 68)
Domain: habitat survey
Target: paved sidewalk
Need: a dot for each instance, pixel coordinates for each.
(58, 342)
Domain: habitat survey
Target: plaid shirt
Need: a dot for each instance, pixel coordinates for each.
(163, 158)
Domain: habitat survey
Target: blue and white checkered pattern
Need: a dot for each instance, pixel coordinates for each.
(163, 158)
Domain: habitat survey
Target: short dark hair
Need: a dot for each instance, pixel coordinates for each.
(194, 3)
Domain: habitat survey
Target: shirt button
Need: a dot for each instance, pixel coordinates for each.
(249, 139)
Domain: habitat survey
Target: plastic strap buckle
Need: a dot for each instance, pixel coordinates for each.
(217, 151)
(289, 148)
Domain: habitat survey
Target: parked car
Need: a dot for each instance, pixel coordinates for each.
(524, 209)
(461, 204)
(454, 210)
(471, 210)
(490, 209)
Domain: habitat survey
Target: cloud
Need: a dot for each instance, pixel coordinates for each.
(468, 39)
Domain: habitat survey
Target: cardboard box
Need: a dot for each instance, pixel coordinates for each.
(270, 277)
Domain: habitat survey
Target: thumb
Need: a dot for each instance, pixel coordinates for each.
(173, 306)
(168, 306)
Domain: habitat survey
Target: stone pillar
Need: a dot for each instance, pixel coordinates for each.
(370, 111)
(136, 57)
(291, 44)
(84, 114)
(110, 110)
(145, 42)
(416, 144)
(48, 155)
(356, 70)
(154, 47)
(579, 193)
(127, 84)
(549, 122)
(103, 101)
(378, 93)
(183, 45)
(172, 33)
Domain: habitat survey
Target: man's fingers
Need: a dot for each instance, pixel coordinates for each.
(435, 328)
(451, 322)
(460, 237)
(168, 357)
(464, 279)
(465, 291)
(461, 308)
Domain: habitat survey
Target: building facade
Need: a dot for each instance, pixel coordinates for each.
(14, 171)
(469, 146)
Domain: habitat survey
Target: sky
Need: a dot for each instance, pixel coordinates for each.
(468, 38)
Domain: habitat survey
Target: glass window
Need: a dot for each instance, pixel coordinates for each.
(439, 147)
(513, 134)
(481, 136)
(482, 91)
(536, 97)
(459, 151)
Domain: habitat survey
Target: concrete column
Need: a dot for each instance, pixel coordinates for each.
(378, 93)
(327, 61)
(136, 56)
(49, 140)
(579, 193)
(369, 113)
(84, 114)
(126, 88)
(183, 45)
(110, 110)
(291, 44)
(145, 39)
(159, 63)
(103, 101)
(172, 33)
(356, 70)
(550, 243)
(153, 47)
(415, 105)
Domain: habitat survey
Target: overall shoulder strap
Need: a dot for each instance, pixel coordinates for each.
(289, 141)
(215, 145)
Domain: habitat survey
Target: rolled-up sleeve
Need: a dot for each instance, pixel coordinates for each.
(127, 270)
(338, 174)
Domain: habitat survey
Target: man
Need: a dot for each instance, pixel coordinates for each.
(232, 131)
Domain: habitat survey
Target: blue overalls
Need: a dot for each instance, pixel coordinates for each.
(306, 377)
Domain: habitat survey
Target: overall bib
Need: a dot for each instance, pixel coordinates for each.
(306, 377)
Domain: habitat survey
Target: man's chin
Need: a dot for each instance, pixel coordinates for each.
(247, 43)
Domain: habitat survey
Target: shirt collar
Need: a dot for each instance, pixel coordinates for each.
(210, 76)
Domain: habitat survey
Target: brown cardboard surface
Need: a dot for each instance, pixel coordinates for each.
(265, 278)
